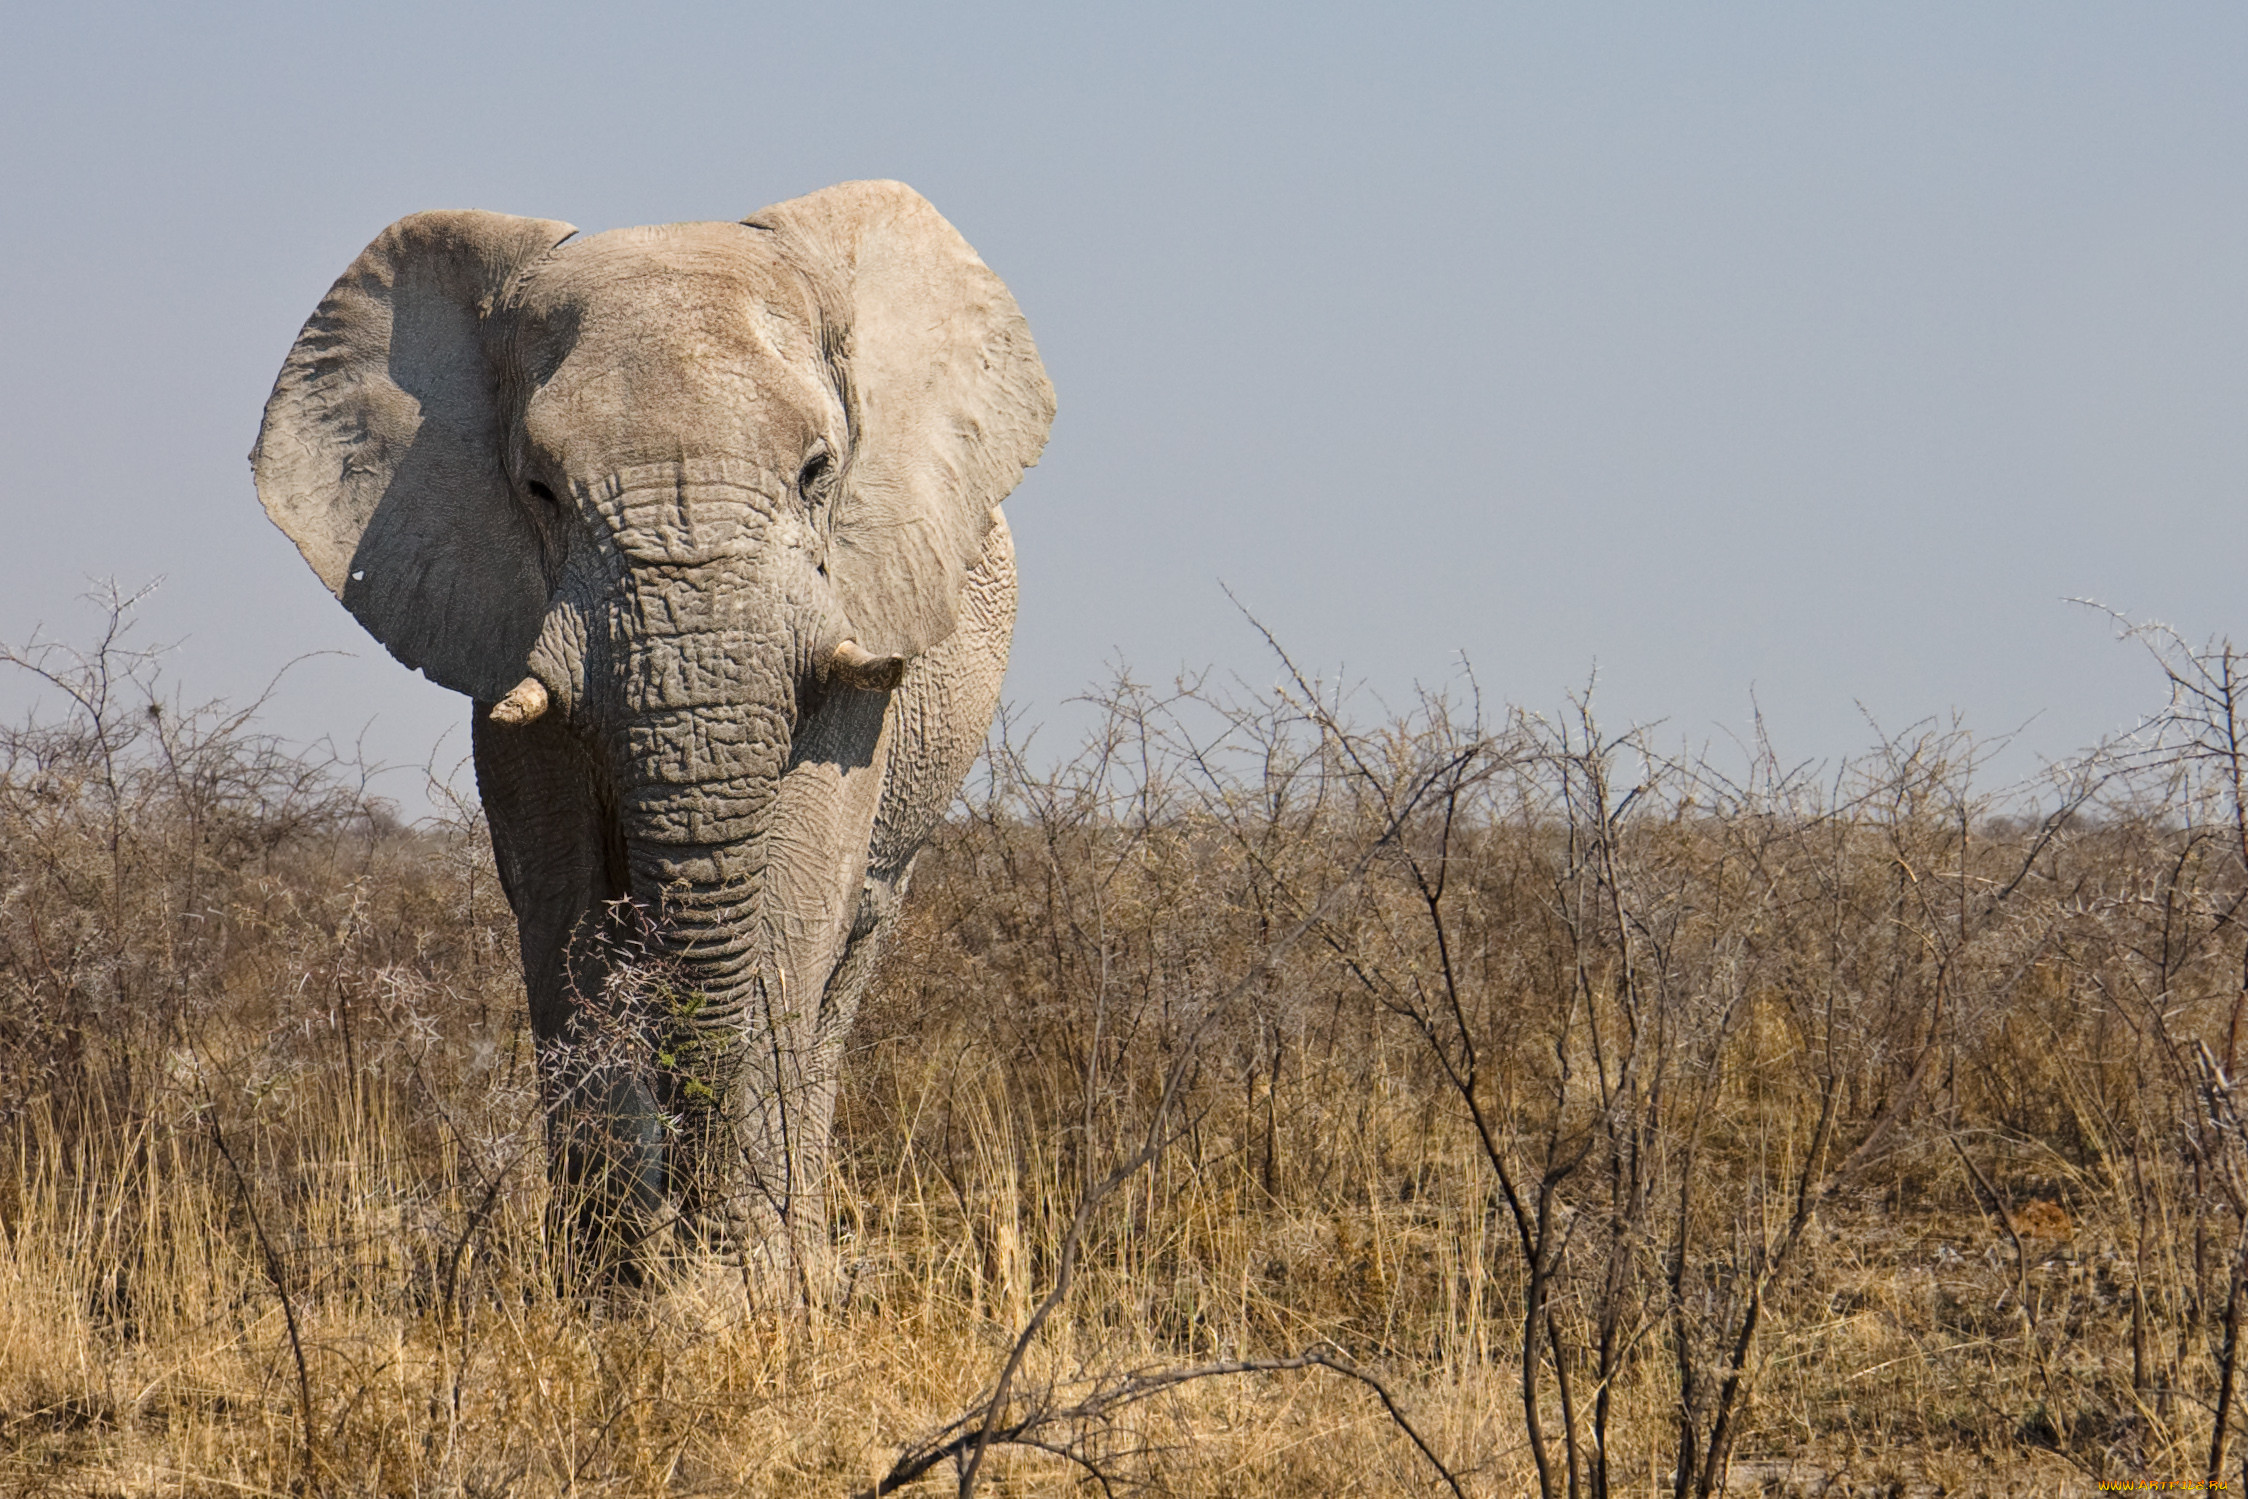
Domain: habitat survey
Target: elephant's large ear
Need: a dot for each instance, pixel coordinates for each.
(381, 450)
(948, 401)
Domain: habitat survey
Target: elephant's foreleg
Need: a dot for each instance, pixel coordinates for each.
(938, 719)
(562, 866)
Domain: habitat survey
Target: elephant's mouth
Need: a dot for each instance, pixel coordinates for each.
(846, 664)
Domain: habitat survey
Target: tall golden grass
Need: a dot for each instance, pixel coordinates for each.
(1517, 1107)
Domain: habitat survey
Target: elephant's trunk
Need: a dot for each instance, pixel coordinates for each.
(703, 713)
(709, 713)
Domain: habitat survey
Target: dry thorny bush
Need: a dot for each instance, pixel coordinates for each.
(1255, 1100)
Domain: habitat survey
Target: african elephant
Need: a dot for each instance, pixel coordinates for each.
(704, 518)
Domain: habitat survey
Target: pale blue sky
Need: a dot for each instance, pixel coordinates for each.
(1814, 350)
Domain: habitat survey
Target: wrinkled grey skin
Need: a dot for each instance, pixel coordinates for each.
(704, 517)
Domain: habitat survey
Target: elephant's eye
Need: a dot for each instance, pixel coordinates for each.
(815, 469)
(542, 493)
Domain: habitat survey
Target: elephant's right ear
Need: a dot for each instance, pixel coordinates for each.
(381, 453)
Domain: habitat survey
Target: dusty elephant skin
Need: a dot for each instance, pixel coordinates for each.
(704, 517)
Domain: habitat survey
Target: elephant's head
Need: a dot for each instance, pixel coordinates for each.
(670, 487)
(491, 433)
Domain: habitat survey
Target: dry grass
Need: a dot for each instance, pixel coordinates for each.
(1807, 1126)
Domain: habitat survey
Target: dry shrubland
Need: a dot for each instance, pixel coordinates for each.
(1259, 1099)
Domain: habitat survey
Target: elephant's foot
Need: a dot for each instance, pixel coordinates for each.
(703, 1294)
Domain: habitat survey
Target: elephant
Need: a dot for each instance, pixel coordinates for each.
(704, 518)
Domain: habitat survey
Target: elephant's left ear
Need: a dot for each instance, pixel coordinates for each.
(948, 401)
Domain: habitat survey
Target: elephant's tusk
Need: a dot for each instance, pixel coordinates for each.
(524, 702)
(854, 665)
